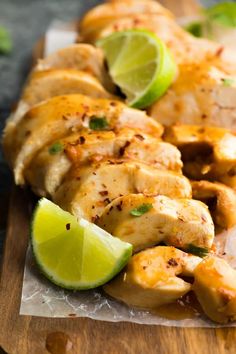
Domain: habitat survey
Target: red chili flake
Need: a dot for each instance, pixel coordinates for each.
(122, 149)
(204, 116)
(172, 262)
(219, 51)
(107, 201)
(103, 193)
(204, 219)
(81, 140)
(68, 226)
(139, 137)
(119, 206)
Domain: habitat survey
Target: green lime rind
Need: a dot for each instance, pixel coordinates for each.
(144, 74)
(76, 255)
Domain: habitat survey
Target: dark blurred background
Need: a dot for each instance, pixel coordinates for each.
(27, 21)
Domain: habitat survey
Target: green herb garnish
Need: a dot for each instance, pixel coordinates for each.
(97, 123)
(195, 28)
(5, 41)
(198, 251)
(142, 209)
(55, 148)
(228, 81)
(223, 13)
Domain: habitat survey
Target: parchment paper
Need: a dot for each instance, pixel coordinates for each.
(42, 298)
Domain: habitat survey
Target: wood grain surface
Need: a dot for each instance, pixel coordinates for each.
(33, 335)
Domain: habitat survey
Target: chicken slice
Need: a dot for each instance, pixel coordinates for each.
(86, 191)
(215, 287)
(203, 94)
(220, 199)
(47, 170)
(153, 277)
(43, 85)
(83, 57)
(184, 47)
(105, 14)
(207, 152)
(176, 222)
(62, 115)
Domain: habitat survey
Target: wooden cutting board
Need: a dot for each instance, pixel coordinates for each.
(33, 335)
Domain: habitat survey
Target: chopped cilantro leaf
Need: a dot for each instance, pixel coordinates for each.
(98, 123)
(195, 28)
(55, 148)
(142, 209)
(228, 81)
(5, 41)
(198, 251)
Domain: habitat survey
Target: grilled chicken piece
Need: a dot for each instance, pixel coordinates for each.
(62, 115)
(176, 222)
(205, 88)
(86, 191)
(184, 47)
(220, 199)
(203, 94)
(215, 287)
(48, 168)
(105, 14)
(55, 82)
(153, 277)
(83, 57)
(207, 152)
(43, 85)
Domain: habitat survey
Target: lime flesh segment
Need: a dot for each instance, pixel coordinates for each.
(75, 254)
(140, 64)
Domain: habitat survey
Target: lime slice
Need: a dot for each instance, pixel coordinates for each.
(140, 64)
(75, 254)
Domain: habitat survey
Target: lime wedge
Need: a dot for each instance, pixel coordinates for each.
(140, 64)
(75, 254)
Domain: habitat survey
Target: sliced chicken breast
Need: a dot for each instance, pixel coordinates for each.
(83, 57)
(86, 191)
(176, 222)
(215, 287)
(207, 152)
(55, 82)
(220, 199)
(105, 14)
(62, 115)
(153, 277)
(43, 85)
(203, 94)
(184, 47)
(49, 167)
